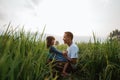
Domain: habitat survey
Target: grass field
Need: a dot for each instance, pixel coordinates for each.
(23, 57)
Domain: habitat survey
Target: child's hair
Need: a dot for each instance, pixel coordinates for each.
(49, 40)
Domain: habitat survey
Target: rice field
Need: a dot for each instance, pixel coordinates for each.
(23, 56)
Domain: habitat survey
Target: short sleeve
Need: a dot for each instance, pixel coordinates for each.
(74, 52)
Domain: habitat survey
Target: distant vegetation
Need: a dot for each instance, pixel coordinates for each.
(23, 57)
(115, 34)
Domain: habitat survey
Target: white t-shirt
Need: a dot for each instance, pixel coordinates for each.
(73, 51)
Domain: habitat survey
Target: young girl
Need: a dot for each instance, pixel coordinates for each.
(56, 54)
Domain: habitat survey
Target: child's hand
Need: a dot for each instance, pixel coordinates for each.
(65, 53)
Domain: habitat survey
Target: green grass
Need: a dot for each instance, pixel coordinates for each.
(23, 56)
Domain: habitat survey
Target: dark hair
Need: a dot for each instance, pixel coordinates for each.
(49, 40)
(69, 34)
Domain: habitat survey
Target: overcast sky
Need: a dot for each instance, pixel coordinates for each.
(82, 17)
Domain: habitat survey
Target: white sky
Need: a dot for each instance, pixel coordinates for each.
(82, 17)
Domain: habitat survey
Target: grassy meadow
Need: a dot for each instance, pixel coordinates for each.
(23, 56)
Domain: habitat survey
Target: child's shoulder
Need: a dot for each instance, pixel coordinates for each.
(52, 47)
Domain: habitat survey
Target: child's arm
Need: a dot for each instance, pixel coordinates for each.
(54, 50)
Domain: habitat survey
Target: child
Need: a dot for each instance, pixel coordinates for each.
(56, 54)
